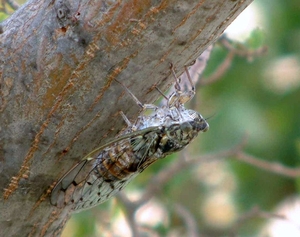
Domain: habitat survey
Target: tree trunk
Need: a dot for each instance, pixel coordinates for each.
(58, 97)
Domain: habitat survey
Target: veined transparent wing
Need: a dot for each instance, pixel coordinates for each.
(83, 185)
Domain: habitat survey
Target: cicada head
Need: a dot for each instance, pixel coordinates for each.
(179, 135)
(198, 123)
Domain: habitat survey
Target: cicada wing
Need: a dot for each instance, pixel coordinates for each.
(96, 189)
(80, 185)
(99, 191)
(76, 175)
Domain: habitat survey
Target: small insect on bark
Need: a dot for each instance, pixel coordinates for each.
(109, 168)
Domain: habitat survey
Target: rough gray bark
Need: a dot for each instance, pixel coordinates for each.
(58, 98)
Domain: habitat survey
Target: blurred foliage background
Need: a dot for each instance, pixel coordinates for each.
(258, 96)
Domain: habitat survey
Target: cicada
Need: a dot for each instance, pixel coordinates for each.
(109, 168)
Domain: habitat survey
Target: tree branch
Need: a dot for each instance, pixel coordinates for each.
(58, 98)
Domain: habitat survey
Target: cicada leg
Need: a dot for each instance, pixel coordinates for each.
(179, 97)
(139, 103)
(131, 126)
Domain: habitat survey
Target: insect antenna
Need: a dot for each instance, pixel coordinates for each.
(210, 117)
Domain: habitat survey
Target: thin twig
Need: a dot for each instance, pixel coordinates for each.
(157, 183)
(273, 167)
(220, 71)
(189, 220)
(250, 54)
(13, 4)
(254, 212)
(129, 208)
(243, 51)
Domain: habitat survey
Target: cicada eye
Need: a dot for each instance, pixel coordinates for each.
(205, 127)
